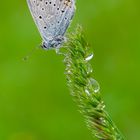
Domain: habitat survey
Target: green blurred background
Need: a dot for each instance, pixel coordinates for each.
(35, 103)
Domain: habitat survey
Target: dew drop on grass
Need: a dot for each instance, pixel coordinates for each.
(89, 57)
(87, 92)
(95, 85)
(89, 68)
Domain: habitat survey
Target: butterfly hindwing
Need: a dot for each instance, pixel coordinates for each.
(52, 17)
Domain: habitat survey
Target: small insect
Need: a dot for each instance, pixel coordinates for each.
(52, 18)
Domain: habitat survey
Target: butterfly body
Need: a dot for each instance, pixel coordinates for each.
(52, 18)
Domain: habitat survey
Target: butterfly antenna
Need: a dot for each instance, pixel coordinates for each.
(31, 53)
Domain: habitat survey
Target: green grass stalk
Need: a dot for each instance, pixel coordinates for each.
(85, 89)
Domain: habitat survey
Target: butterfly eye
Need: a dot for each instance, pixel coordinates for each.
(44, 46)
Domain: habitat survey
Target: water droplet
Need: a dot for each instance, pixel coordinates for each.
(95, 85)
(89, 57)
(101, 118)
(103, 107)
(104, 121)
(87, 91)
(89, 68)
(69, 72)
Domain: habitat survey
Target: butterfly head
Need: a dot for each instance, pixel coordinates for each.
(46, 45)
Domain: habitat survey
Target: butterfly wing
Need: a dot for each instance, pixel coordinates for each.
(52, 17)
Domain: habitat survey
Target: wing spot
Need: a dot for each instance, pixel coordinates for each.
(63, 11)
(40, 17)
(45, 27)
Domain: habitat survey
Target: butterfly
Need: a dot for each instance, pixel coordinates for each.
(52, 18)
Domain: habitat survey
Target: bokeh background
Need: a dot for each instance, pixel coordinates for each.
(35, 103)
